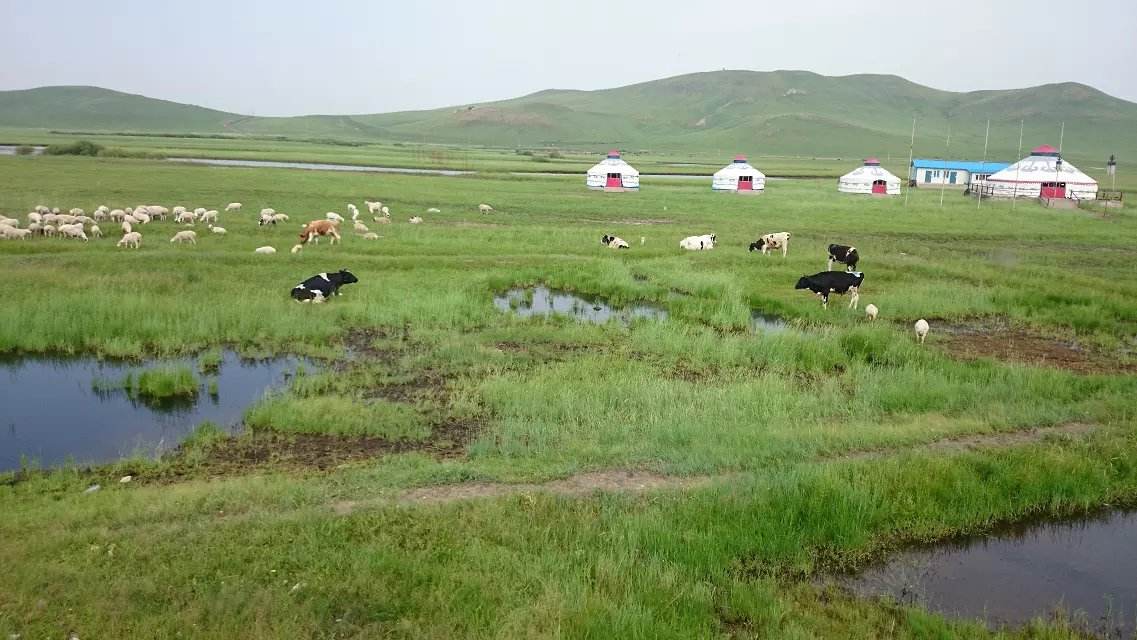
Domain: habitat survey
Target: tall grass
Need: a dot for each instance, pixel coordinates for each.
(155, 384)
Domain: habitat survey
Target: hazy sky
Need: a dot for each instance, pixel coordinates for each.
(283, 57)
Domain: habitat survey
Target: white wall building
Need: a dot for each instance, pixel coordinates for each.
(1041, 174)
(739, 176)
(869, 178)
(612, 173)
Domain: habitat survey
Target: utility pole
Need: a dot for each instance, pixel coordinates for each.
(986, 137)
(1018, 167)
(911, 144)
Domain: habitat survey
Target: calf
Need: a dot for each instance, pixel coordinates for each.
(322, 286)
(828, 282)
(780, 240)
(845, 255)
(316, 228)
(612, 242)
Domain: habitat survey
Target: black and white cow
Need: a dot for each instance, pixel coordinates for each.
(612, 242)
(828, 282)
(322, 286)
(847, 256)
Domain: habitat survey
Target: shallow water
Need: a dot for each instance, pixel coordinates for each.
(766, 323)
(51, 414)
(1088, 567)
(546, 302)
(220, 162)
(10, 150)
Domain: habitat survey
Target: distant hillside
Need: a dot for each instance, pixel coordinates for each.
(779, 112)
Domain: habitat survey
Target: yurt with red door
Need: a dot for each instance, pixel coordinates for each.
(1041, 174)
(869, 178)
(613, 174)
(739, 177)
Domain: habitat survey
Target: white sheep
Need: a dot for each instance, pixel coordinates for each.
(42, 209)
(142, 218)
(359, 227)
(33, 217)
(381, 220)
(485, 208)
(76, 211)
(199, 211)
(871, 311)
(35, 227)
(132, 240)
(333, 216)
(373, 207)
(72, 231)
(14, 233)
(184, 236)
(177, 211)
(185, 217)
(434, 210)
(116, 215)
(96, 232)
(158, 212)
(49, 230)
(233, 206)
(385, 211)
(922, 329)
(296, 248)
(353, 210)
(218, 230)
(126, 227)
(11, 222)
(415, 220)
(85, 219)
(208, 216)
(55, 209)
(267, 212)
(370, 235)
(264, 251)
(279, 217)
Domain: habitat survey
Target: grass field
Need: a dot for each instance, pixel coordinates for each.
(302, 526)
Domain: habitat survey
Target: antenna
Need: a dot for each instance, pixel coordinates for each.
(1018, 167)
(1061, 135)
(986, 137)
(943, 177)
(911, 144)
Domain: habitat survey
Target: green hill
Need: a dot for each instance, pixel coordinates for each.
(779, 112)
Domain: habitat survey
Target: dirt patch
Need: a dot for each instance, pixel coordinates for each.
(1007, 343)
(637, 482)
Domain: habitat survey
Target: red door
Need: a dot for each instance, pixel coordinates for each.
(879, 186)
(745, 183)
(614, 180)
(1053, 190)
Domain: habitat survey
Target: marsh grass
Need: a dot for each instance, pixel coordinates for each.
(157, 384)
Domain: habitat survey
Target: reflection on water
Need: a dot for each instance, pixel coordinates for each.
(541, 301)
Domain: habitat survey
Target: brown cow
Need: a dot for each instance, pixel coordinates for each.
(316, 228)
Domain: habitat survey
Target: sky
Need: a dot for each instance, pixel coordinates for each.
(281, 57)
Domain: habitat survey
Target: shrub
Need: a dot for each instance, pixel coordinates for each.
(80, 148)
(556, 155)
(25, 150)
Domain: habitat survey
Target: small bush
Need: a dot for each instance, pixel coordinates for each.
(80, 148)
(25, 150)
(524, 152)
(556, 155)
(541, 159)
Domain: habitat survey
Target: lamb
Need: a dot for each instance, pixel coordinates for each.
(373, 207)
(14, 233)
(76, 211)
(828, 282)
(35, 227)
(267, 212)
(49, 230)
(233, 206)
(333, 216)
(184, 236)
(698, 243)
(72, 231)
(353, 210)
(612, 242)
(922, 329)
(381, 220)
(208, 216)
(264, 251)
(871, 311)
(132, 240)
(370, 235)
(266, 219)
(116, 215)
(316, 228)
(198, 212)
(96, 232)
(386, 212)
(415, 220)
(99, 215)
(279, 217)
(218, 230)
(177, 211)
(485, 208)
(359, 227)
(32, 217)
(126, 227)
(843, 254)
(780, 240)
(296, 248)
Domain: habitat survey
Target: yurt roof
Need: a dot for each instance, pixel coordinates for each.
(739, 166)
(1042, 166)
(613, 163)
(868, 173)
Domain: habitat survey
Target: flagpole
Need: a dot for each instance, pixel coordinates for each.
(911, 144)
(986, 137)
(943, 178)
(1018, 167)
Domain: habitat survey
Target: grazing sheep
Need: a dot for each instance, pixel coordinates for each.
(208, 216)
(198, 212)
(55, 209)
(13, 233)
(85, 219)
(99, 215)
(698, 243)
(612, 242)
(218, 230)
(316, 228)
(279, 217)
(434, 210)
(35, 227)
(922, 329)
(386, 212)
(132, 240)
(185, 217)
(76, 211)
(381, 220)
(42, 209)
(370, 235)
(184, 236)
(267, 212)
(49, 230)
(264, 251)
(11, 222)
(33, 217)
(359, 227)
(353, 210)
(126, 227)
(485, 208)
(141, 217)
(158, 212)
(131, 219)
(233, 206)
(96, 232)
(116, 215)
(178, 210)
(333, 216)
(373, 207)
(72, 231)
(780, 240)
(266, 219)
(415, 220)
(871, 311)
(296, 248)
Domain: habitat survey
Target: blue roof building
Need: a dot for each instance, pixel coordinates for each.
(959, 173)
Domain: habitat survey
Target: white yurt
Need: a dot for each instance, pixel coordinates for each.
(869, 178)
(612, 173)
(1041, 174)
(739, 176)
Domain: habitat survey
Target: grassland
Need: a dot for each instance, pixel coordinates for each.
(425, 384)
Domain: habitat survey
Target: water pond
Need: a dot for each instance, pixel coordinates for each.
(1087, 568)
(220, 162)
(54, 413)
(766, 323)
(544, 302)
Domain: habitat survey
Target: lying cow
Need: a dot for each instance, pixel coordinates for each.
(698, 243)
(847, 256)
(322, 286)
(612, 242)
(828, 282)
(780, 240)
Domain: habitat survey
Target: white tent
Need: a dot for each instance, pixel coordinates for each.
(869, 178)
(739, 176)
(1042, 173)
(613, 173)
